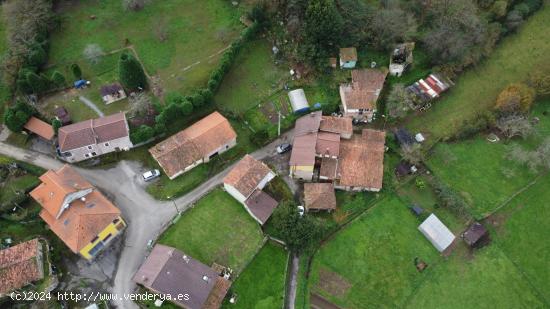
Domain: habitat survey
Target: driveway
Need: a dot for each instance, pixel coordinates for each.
(146, 217)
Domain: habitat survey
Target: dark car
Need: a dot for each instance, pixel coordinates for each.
(283, 148)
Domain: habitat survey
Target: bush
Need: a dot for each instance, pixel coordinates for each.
(186, 108)
(58, 79)
(131, 74)
(142, 134)
(173, 97)
(37, 56)
(77, 72)
(56, 124)
(450, 199)
(515, 98)
(260, 138)
(16, 117)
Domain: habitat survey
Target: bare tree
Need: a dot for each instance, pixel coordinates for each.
(161, 30)
(515, 125)
(400, 101)
(534, 159)
(93, 53)
(134, 5)
(140, 105)
(412, 154)
(393, 25)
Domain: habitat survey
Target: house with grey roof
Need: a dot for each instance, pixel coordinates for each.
(94, 137)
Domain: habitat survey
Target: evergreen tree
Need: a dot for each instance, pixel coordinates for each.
(37, 56)
(58, 79)
(131, 74)
(37, 83)
(323, 30)
(77, 72)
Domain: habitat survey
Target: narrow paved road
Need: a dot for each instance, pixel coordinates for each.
(146, 217)
(293, 282)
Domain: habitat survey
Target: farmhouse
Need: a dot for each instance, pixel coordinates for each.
(112, 93)
(327, 144)
(84, 219)
(40, 128)
(245, 183)
(20, 265)
(360, 96)
(437, 233)
(171, 272)
(194, 145)
(348, 57)
(94, 137)
(319, 196)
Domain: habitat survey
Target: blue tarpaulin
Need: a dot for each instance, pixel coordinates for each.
(79, 83)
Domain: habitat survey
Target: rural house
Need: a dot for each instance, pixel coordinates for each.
(196, 144)
(319, 196)
(437, 233)
(245, 183)
(171, 272)
(20, 265)
(360, 96)
(83, 218)
(40, 128)
(94, 137)
(348, 57)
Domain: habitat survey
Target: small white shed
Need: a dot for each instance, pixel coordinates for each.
(298, 100)
(437, 233)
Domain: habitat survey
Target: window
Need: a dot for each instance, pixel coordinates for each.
(87, 155)
(107, 144)
(90, 205)
(94, 154)
(67, 154)
(107, 237)
(116, 220)
(117, 148)
(90, 147)
(94, 239)
(96, 249)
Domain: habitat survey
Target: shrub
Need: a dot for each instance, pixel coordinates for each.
(173, 97)
(450, 199)
(58, 79)
(131, 73)
(37, 56)
(17, 116)
(260, 137)
(515, 98)
(56, 124)
(77, 72)
(186, 108)
(142, 134)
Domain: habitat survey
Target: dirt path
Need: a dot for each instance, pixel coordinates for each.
(292, 282)
(91, 105)
(318, 302)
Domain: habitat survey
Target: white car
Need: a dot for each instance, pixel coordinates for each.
(150, 175)
(301, 210)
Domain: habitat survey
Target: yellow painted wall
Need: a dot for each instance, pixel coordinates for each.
(110, 229)
(302, 168)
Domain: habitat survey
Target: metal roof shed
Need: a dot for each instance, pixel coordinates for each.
(437, 233)
(298, 100)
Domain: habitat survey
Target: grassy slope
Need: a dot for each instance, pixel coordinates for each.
(217, 229)
(195, 30)
(475, 91)
(486, 280)
(475, 167)
(375, 254)
(524, 234)
(262, 284)
(252, 78)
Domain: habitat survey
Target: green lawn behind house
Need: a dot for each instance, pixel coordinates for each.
(262, 283)
(217, 229)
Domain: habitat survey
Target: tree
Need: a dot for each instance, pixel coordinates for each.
(142, 134)
(322, 30)
(140, 105)
(56, 124)
(499, 8)
(58, 79)
(515, 98)
(539, 79)
(186, 108)
(299, 233)
(413, 153)
(17, 116)
(514, 19)
(400, 101)
(37, 83)
(77, 72)
(390, 26)
(534, 159)
(37, 56)
(131, 74)
(515, 125)
(93, 53)
(173, 97)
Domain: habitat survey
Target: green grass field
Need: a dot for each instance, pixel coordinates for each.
(177, 39)
(476, 90)
(253, 78)
(217, 229)
(479, 170)
(521, 231)
(262, 283)
(486, 279)
(371, 262)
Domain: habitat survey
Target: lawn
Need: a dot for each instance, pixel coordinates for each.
(254, 77)
(521, 231)
(479, 170)
(371, 262)
(486, 279)
(217, 229)
(476, 90)
(262, 283)
(177, 39)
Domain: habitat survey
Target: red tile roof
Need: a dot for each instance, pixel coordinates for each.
(328, 144)
(261, 205)
(364, 90)
(93, 131)
(340, 125)
(40, 128)
(20, 265)
(192, 144)
(247, 175)
(348, 54)
(319, 196)
(361, 162)
(305, 139)
(76, 223)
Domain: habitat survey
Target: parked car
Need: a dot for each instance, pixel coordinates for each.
(301, 210)
(150, 175)
(283, 148)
